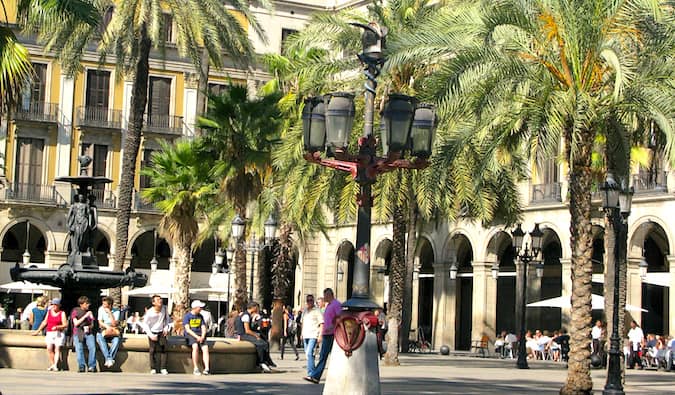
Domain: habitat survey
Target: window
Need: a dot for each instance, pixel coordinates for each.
(97, 95)
(218, 89)
(35, 94)
(99, 156)
(146, 161)
(284, 35)
(29, 161)
(549, 171)
(167, 28)
(159, 101)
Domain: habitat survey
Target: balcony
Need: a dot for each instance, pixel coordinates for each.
(142, 205)
(37, 112)
(164, 124)
(105, 198)
(546, 193)
(34, 193)
(650, 182)
(99, 117)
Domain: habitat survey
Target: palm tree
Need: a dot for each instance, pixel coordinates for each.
(15, 66)
(239, 134)
(136, 27)
(182, 184)
(529, 74)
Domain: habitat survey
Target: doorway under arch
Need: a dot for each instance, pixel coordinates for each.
(464, 291)
(14, 243)
(142, 252)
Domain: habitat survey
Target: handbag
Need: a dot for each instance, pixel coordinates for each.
(111, 332)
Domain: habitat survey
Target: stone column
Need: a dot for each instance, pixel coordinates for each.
(414, 323)
(533, 295)
(54, 259)
(566, 290)
(3, 149)
(441, 279)
(484, 301)
(634, 288)
(450, 323)
(65, 126)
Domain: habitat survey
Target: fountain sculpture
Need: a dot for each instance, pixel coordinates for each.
(80, 275)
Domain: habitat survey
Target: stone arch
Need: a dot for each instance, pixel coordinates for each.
(562, 236)
(15, 241)
(141, 251)
(642, 228)
(460, 250)
(550, 285)
(500, 249)
(204, 255)
(344, 261)
(47, 233)
(452, 243)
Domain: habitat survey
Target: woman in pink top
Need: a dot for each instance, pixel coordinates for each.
(56, 323)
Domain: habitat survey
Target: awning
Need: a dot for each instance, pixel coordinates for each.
(26, 287)
(597, 303)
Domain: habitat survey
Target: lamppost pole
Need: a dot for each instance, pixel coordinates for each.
(253, 247)
(528, 255)
(617, 208)
(406, 126)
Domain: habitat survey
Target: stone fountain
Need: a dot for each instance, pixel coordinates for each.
(80, 275)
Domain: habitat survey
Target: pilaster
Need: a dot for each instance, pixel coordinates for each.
(634, 287)
(671, 294)
(441, 330)
(65, 126)
(190, 104)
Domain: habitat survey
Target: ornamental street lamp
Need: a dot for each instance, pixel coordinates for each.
(526, 256)
(407, 126)
(230, 256)
(153, 261)
(617, 205)
(25, 258)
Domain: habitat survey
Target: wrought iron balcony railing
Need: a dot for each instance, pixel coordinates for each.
(165, 124)
(105, 198)
(142, 205)
(34, 193)
(546, 192)
(650, 182)
(99, 117)
(37, 111)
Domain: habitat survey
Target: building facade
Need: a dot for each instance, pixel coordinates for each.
(61, 117)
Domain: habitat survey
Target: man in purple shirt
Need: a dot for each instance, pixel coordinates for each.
(333, 309)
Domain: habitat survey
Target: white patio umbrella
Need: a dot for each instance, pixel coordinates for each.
(597, 303)
(153, 289)
(26, 287)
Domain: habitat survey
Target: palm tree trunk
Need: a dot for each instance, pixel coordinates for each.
(181, 279)
(397, 275)
(578, 373)
(139, 99)
(411, 243)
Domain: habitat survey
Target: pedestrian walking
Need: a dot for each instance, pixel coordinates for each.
(290, 327)
(156, 323)
(333, 309)
(311, 329)
(55, 325)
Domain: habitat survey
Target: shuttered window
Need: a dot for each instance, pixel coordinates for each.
(35, 94)
(159, 101)
(29, 161)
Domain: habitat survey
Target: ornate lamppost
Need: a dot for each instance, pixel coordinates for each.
(527, 255)
(617, 204)
(25, 258)
(153, 261)
(406, 126)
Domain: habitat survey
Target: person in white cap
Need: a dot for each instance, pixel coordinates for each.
(195, 332)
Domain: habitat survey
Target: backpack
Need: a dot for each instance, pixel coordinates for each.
(292, 325)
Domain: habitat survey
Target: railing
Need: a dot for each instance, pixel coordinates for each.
(142, 205)
(37, 111)
(99, 117)
(546, 192)
(105, 198)
(168, 124)
(650, 182)
(35, 193)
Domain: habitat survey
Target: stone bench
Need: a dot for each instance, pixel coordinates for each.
(20, 350)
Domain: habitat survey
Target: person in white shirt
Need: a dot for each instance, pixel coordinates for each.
(596, 335)
(636, 338)
(156, 324)
(312, 321)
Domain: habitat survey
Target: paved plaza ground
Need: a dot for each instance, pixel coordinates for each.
(418, 374)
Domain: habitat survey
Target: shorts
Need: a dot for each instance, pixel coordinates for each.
(56, 338)
(191, 340)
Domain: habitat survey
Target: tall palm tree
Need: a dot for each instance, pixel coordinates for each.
(182, 184)
(238, 136)
(136, 27)
(15, 66)
(529, 74)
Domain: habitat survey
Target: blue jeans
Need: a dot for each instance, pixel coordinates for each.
(79, 350)
(310, 344)
(108, 353)
(326, 346)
